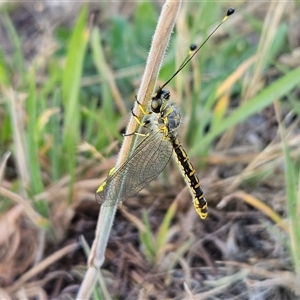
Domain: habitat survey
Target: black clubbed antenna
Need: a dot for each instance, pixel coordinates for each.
(194, 49)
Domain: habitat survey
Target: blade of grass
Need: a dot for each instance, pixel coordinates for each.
(89, 121)
(97, 294)
(184, 248)
(18, 64)
(260, 205)
(54, 130)
(3, 162)
(274, 91)
(269, 34)
(109, 86)
(16, 111)
(4, 71)
(165, 225)
(222, 93)
(147, 239)
(98, 119)
(292, 195)
(36, 182)
(70, 93)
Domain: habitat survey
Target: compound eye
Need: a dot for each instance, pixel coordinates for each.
(156, 105)
(165, 94)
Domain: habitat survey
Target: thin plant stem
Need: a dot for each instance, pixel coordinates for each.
(160, 41)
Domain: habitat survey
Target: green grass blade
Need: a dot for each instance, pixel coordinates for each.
(32, 141)
(17, 56)
(36, 182)
(293, 204)
(70, 91)
(54, 130)
(99, 60)
(271, 93)
(4, 71)
(147, 239)
(166, 223)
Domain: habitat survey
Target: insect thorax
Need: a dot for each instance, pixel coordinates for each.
(166, 115)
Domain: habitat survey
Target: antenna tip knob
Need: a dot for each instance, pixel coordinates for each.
(193, 47)
(230, 11)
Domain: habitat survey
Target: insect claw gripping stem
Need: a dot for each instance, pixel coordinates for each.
(142, 124)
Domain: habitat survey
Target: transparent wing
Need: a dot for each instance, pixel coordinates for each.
(147, 161)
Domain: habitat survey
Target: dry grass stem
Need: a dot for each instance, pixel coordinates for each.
(159, 44)
(16, 102)
(272, 21)
(43, 265)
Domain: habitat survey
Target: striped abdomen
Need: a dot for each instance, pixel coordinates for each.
(190, 177)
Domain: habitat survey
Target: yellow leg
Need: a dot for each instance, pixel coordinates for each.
(142, 124)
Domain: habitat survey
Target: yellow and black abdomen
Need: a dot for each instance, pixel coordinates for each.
(190, 177)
